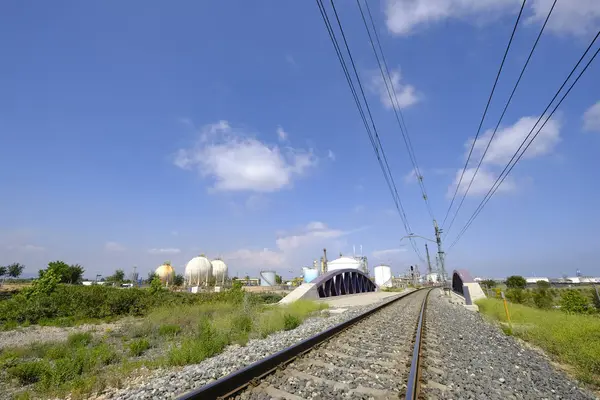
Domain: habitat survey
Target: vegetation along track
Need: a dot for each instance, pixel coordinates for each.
(372, 356)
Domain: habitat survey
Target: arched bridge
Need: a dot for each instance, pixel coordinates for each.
(343, 281)
(459, 278)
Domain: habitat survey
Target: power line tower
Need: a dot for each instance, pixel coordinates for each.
(428, 260)
(441, 254)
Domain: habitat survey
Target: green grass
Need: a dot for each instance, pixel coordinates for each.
(84, 364)
(571, 339)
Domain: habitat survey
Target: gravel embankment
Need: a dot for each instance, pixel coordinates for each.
(469, 358)
(168, 383)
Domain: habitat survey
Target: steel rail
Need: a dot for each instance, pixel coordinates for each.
(414, 375)
(239, 380)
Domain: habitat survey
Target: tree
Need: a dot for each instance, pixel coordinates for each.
(488, 283)
(15, 270)
(543, 285)
(3, 271)
(278, 279)
(572, 301)
(516, 282)
(179, 280)
(67, 273)
(118, 276)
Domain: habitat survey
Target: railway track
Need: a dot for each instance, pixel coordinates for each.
(373, 356)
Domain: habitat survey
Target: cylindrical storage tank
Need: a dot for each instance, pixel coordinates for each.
(310, 274)
(165, 273)
(198, 271)
(267, 278)
(219, 270)
(383, 276)
(343, 263)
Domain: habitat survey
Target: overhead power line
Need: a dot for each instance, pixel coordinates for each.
(386, 76)
(464, 196)
(509, 167)
(512, 35)
(373, 134)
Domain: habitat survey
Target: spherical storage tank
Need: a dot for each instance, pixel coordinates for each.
(198, 271)
(310, 274)
(383, 275)
(343, 263)
(267, 278)
(219, 270)
(165, 273)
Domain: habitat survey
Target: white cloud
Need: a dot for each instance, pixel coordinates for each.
(281, 134)
(164, 251)
(482, 183)
(410, 177)
(114, 247)
(331, 155)
(27, 248)
(405, 93)
(387, 253)
(256, 258)
(293, 250)
(578, 17)
(239, 162)
(507, 141)
(403, 17)
(591, 118)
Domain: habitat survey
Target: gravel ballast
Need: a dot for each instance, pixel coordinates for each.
(469, 358)
(171, 382)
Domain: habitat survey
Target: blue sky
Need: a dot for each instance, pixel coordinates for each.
(137, 132)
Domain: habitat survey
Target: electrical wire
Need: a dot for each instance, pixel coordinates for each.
(510, 167)
(373, 135)
(386, 76)
(464, 196)
(512, 35)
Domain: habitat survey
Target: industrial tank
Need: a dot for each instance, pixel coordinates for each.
(198, 271)
(343, 263)
(165, 273)
(310, 274)
(219, 270)
(383, 276)
(267, 278)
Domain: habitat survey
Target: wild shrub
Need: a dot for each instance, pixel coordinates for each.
(518, 296)
(207, 342)
(30, 372)
(79, 339)
(290, 322)
(573, 301)
(169, 330)
(138, 347)
(542, 298)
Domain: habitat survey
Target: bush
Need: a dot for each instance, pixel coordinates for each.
(542, 298)
(290, 322)
(518, 296)
(79, 339)
(573, 301)
(169, 330)
(516, 282)
(138, 347)
(30, 372)
(207, 343)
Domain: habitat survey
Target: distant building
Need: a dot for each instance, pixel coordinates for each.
(536, 279)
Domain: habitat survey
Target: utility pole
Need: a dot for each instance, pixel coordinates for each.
(428, 260)
(438, 240)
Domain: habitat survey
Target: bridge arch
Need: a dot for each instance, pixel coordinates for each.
(459, 278)
(340, 282)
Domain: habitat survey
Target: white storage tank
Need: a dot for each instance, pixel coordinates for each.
(310, 274)
(219, 270)
(166, 273)
(343, 263)
(267, 278)
(383, 276)
(198, 271)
